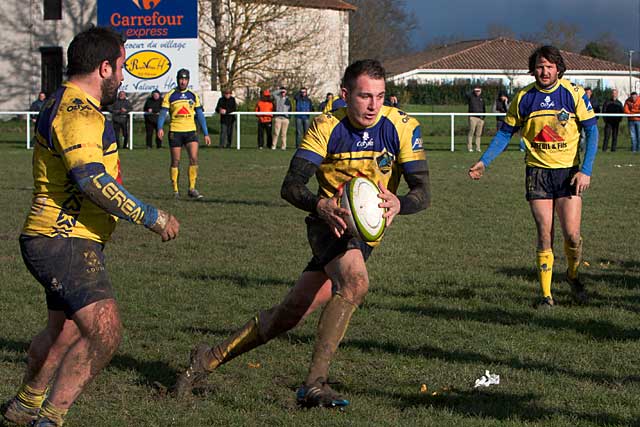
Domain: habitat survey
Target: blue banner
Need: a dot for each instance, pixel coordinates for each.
(150, 19)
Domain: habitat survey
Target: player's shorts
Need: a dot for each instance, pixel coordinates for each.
(71, 270)
(178, 139)
(543, 183)
(325, 246)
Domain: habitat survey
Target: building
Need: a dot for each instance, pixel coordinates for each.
(503, 61)
(34, 36)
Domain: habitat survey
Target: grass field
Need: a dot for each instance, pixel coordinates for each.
(451, 294)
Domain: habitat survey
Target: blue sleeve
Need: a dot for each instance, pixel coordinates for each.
(103, 190)
(591, 148)
(202, 121)
(497, 146)
(162, 115)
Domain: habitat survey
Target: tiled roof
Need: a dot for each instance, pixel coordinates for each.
(315, 4)
(494, 54)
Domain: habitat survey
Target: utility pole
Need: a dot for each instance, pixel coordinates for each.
(630, 71)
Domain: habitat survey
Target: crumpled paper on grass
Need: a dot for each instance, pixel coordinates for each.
(487, 379)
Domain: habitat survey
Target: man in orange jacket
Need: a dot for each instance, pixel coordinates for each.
(632, 106)
(265, 105)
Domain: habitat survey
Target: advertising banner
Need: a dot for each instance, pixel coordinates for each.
(162, 37)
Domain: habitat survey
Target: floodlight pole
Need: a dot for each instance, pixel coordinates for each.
(630, 70)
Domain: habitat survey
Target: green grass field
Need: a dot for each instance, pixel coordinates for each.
(451, 294)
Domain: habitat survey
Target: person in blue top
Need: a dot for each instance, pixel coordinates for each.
(550, 113)
(303, 103)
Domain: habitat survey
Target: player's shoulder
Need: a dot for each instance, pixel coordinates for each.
(400, 119)
(575, 89)
(330, 119)
(77, 104)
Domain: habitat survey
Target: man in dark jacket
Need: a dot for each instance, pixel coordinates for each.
(476, 123)
(303, 103)
(226, 106)
(120, 117)
(151, 109)
(611, 124)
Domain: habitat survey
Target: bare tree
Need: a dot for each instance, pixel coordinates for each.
(495, 30)
(380, 29)
(559, 34)
(248, 42)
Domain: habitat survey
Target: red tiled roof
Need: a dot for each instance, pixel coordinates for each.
(315, 4)
(494, 54)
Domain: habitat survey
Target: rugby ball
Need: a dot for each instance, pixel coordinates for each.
(365, 220)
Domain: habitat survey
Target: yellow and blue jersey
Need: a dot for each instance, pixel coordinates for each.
(550, 120)
(71, 133)
(182, 107)
(380, 152)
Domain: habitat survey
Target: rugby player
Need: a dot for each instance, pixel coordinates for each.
(184, 108)
(363, 139)
(550, 113)
(77, 199)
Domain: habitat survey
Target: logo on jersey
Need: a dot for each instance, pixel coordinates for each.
(184, 111)
(416, 140)
(548, 139)
(385, 162)
(78, 105)
(547, 103)
(366, 141)
(146, 4)
(587, 102)
(563, 117)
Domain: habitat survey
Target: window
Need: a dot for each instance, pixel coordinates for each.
(52, 9)
(592, 83)
(50, 68)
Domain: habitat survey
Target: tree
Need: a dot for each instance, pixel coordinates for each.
(605, 47)
(379, 29)
(249, 42)
(559, 34)
(500, 30)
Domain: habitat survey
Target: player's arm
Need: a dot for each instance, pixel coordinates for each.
(294, 187)
(202, 121)
(497, 145)
(418, 198)
(111, 196)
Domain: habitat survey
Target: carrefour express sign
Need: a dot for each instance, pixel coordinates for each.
(150, 19)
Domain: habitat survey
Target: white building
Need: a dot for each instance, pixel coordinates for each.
(505, 61)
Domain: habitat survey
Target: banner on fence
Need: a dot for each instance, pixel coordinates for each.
(162, 37)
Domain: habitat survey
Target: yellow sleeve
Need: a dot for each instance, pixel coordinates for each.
(584, 110)
(513, 115)
(411, 145)
(165, 100)
(317, 137)
(78, 136)
(197, 102)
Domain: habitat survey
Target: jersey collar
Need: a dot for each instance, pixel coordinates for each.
(91, 99)
(550, 89)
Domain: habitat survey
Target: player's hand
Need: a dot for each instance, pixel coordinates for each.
(160, 133)
(477, 170)
(581, 182)
(167, 226)
(332, 214)
(390, 202)
(207, 140)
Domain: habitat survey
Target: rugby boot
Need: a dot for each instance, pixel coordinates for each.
(196, 373)
(545, 303)
(18, 414)
(578, 292)
(319, 394)
(195, 194)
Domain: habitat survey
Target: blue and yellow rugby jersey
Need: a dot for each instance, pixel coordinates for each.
(182, 109)
(380, 152)
(71, 132)
(549, 120)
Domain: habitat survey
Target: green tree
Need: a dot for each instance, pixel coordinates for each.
(605, 47)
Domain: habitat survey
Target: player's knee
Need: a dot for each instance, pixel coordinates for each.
(355, 288)
(279, 319)
(573, 239)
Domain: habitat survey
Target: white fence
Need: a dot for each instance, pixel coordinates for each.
(452, 117)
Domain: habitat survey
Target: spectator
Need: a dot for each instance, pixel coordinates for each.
(476, 123)
(37, 105)
(611, 124)
(334, 103)
(226, 105)
(500, 106)
(324, 103)
(120, 116)
(392, 101)
(151, 110)
(303, 103)
(265, 104)
(632, 106)
(281, 124)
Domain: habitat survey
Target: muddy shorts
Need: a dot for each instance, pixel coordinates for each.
(543, 183)
(178, 139)
(325, 246)
(71, 270)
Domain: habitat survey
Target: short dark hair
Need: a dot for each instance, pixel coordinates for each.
(551, 54)
(371, 67)
(633, 93)
(91, 47)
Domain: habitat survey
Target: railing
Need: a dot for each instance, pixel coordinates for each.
(129, 144)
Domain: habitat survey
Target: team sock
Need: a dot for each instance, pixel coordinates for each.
(332, 326)
(30, 397)
(55, 414)
(574, 258)
(544, 262)
(193, 175)
(174, 178)
(245, 339)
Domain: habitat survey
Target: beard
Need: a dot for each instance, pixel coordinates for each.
(109, 91)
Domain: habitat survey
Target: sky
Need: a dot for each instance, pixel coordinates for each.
(438, 19)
